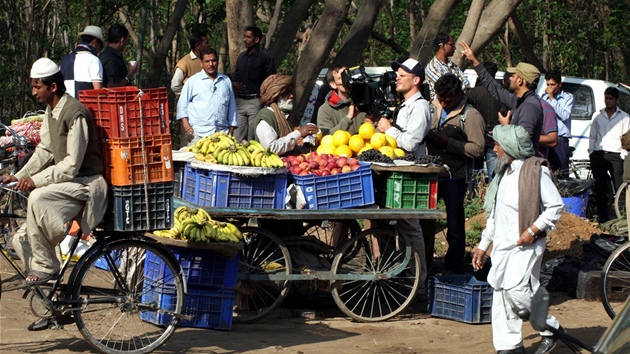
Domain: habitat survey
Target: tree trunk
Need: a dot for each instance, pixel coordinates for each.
(316, 51)
(492, 20)
(240, 14)
(517, 27)
(470, 27)
(223, 49)
(157, 68)
(290, 25)
(422, 48)
(273, 23)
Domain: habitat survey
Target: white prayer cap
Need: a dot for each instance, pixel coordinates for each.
(43, 67)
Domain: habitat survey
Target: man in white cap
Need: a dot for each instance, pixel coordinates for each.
(411, 124)
(82, 69)
(64, 178)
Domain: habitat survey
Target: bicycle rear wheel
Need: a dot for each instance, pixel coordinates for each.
(11, 203)
(615, 283)
(129, 299)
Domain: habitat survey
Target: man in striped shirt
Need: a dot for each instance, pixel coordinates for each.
(444, 46)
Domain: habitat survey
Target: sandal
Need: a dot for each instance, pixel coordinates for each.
(39, 278)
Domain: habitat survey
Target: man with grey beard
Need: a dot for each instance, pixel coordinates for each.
(273, 130)
(516, 227)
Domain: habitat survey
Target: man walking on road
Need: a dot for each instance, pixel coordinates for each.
(522, 204)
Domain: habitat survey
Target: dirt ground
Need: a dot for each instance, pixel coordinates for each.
(326, 330)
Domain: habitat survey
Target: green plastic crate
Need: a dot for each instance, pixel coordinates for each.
(409, 191)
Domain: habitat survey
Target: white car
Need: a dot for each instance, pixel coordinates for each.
(588, 100)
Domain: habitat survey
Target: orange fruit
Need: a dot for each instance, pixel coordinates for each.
(387, 151)
(356, 143)
(366, 130)
(327, 149)
(340, 137)
(327, 140)
(348, 134)
(343, 150)
(391, 141)
(378, 140)
(399, 152)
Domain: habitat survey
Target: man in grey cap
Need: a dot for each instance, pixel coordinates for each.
(520, 99)
(64, 177)
(82, 69)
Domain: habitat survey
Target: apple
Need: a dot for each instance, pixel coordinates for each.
(295, 169)
(303, 173)
(304, 165)
(342, 161)
(316, 172)
(346, 168)
(334, 171)
(313, 154)
(325, 156)
(325, 173)
(287, 164)
(355, 167)
(313, 165)
(301, 158)
(331, 164)
(353, 162)
(323, 163)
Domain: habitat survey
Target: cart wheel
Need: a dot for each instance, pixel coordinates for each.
(331, 235)
(382, 279)
(263, 273)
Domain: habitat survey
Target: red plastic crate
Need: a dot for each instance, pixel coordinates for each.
(118, 113)
(127, 160)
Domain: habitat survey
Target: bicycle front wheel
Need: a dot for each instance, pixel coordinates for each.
(129, 299)
(615, 285)
(620, 200)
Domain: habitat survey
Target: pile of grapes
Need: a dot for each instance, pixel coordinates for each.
(426, 159)
(374, 156)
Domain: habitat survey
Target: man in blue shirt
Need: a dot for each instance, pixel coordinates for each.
(207, 103)
(562, 103)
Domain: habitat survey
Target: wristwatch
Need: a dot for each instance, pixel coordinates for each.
(531, 232)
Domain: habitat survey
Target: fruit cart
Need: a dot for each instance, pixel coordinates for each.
(373, 274)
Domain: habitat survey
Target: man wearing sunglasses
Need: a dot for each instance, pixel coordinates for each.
(444, 46)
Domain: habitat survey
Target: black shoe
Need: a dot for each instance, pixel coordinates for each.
(520, 350)
(548, 343)
(44, 323)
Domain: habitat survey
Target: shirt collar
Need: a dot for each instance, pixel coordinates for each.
(603, 112)
(192, 55)
(412, 98)
(55, 112)
(114, 51)
(514, 166)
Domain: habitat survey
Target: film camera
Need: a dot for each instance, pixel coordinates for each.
(372, 94)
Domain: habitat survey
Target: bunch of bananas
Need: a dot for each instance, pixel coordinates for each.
(233, 155)
(261, 157)
(206, 146)
(198, 226)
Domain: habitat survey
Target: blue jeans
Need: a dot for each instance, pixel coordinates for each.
(453, 191)
(491, 156)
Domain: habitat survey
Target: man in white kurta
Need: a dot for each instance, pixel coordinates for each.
(517, 249)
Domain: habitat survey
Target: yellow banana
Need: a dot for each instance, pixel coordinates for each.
(256, 145)
(245, 155)
(222, 158)
(234, 230)
(205, 147)
(239, 159)
(199, 156)
(218, 152)
(206, 216)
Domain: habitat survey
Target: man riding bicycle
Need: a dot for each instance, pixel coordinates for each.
(64, 176)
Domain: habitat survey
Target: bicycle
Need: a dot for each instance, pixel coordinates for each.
(126, 294)
(615, 280)
(620, 201)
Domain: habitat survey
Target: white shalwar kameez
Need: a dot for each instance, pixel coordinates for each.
(515, 269)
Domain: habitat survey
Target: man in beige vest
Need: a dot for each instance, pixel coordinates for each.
(190, 64)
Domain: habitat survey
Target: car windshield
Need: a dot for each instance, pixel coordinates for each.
(616, 339)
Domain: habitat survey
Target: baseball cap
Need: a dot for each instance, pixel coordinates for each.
(410, 66)
(43, 67)
(94, 31)
(526, 71)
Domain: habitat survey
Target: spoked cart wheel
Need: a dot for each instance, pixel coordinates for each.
(332, 234)
(378, 282)
(262, 275)
(615, 286)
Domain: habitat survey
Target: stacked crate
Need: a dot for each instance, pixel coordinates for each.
(133, 128)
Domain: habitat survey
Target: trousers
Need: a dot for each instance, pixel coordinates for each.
(247, 111)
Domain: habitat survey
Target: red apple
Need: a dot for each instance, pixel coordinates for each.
(353, 162)
(323, 163)
(301, 158)
(316, 172)
(325, 173)
(346, 168)
(313, 165)
(334, 171)
(342, 161)
(287, 164)
(331, 164)
(313, 154)
(304, 166)
(295, 169)
(325, 156)
(302, 173)
(355, 167)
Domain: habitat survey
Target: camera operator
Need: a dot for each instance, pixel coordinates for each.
(338, 111)
(458, 136)
(412, 119)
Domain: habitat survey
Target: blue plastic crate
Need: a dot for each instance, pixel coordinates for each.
(201, 269)
(344, 190)
(209, 188)
(101, 263)
(128, 207)
(211, 309)
(460, 297)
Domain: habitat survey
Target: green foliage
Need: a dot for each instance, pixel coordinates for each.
(473, 236)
